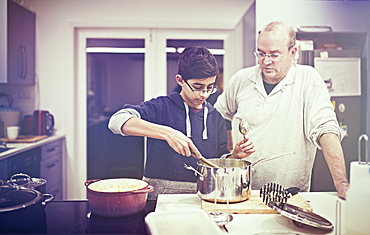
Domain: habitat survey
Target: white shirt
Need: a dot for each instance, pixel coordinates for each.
(290, 119)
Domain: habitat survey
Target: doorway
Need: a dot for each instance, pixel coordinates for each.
(155, 78)
(115, 76)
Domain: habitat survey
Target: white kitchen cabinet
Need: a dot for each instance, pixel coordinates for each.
(51, 168)
(21, 32)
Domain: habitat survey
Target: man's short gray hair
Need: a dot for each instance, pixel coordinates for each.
(279, 25)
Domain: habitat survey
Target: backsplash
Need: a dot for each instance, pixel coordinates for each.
(24, 98)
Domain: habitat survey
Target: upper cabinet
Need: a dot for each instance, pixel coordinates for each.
(20, 45)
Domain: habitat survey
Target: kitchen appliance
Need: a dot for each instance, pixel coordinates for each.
(8, 117)
(27, 125)
(358, 205)
(117, 203)
(239, 176)
(43, 122)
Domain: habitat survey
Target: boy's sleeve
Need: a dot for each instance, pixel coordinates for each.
(119, 118)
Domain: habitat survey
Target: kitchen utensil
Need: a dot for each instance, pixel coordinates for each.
(276, 193)
(22, 209)
(12, 132)
(358, 168)
(43, 122)
(240, 174)
(203, 159)
(301, 216)
(243, 127)
(117, 204)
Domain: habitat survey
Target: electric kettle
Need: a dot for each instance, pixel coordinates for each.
(43, 122)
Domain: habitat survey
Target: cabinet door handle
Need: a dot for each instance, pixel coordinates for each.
(25, 63)
(20, 61)
(52, 164)
(52, 149)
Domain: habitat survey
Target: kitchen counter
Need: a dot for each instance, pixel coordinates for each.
(16, 148)
(74, 217)
(323, 204)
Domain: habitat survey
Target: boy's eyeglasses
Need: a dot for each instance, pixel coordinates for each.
(199, 91)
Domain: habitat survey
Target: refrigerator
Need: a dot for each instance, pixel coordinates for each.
(342, 73)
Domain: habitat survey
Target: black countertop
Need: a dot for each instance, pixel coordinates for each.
(75, 217)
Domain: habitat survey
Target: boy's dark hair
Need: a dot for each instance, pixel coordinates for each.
(196, 62)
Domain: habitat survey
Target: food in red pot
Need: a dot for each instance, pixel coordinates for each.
(117, 197)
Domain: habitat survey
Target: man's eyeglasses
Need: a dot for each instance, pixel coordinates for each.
(275, 56)
(209, 90)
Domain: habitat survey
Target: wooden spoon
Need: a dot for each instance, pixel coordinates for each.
(203, 159)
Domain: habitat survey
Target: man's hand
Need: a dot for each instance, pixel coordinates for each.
(334, 157)
(243, 148)
(342, 189)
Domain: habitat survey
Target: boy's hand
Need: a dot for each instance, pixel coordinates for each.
(243, 148)
(181, 143)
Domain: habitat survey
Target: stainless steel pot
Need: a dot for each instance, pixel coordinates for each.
(114, 203)
(231, 181)
(26, 181)
(22, 209)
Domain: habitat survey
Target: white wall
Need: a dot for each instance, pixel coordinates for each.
(56, 22)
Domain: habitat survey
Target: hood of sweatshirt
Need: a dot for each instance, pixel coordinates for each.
(207, 109)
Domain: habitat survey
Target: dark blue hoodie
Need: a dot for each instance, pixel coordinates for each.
(206, 128)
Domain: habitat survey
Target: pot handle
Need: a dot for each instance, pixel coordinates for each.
(28, 178)
(195, 171)
(87, 183)
(49, 197)
(146, 190)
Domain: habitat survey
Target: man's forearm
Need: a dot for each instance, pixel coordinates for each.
(334, 157)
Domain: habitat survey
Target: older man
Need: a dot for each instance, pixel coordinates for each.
(288, 109)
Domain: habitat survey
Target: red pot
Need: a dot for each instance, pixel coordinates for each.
(117, 203)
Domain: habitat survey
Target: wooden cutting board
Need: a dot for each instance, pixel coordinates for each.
(254, 205)
(25, 139)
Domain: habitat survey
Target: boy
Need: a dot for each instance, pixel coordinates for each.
(180, 123)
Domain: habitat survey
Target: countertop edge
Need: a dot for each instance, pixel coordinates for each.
(17, 148)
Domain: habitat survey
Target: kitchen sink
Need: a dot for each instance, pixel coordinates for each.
(4, 149)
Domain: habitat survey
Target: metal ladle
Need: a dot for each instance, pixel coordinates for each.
(243, 128)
